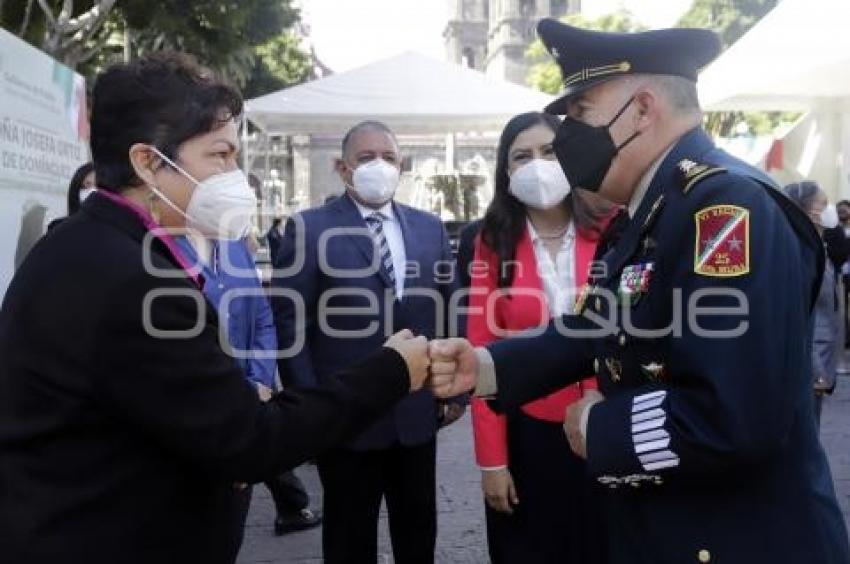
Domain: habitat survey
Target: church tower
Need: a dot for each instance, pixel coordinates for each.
(493, 35)
(512, 28)
(466, 33)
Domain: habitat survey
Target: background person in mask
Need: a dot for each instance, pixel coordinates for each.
(538, 239)
(348, 313)
(697, 323)
(124, 423)
(836, 239)
(82, 186)
(828, 336)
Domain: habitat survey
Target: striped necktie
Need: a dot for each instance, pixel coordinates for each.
(375, 222)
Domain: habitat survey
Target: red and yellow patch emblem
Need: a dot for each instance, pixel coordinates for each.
(722, 241)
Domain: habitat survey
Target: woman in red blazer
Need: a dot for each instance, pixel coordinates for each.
(536, 244)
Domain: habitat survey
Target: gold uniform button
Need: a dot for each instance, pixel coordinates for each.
(596, 365)
(597, 304)
(622, 339)
(704, 556)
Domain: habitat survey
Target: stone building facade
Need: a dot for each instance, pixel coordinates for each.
(493, 35)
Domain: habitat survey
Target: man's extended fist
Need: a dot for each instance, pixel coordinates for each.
(414, 350)
(454, 367)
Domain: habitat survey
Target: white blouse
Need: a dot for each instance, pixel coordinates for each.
(558, 276)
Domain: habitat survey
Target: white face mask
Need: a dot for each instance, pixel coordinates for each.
(829, 217)
(85, 193)
(375, 182)
(540, 184)
(221, 207)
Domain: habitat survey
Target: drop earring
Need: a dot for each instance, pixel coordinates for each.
(152, 207)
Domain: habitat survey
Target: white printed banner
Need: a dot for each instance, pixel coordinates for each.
(43, 140)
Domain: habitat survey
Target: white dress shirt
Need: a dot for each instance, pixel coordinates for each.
(558, 276)
(646, 180)
(395, 240)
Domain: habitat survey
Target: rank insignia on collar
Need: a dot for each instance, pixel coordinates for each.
(722, 241)
(690, 172)
(634, 282)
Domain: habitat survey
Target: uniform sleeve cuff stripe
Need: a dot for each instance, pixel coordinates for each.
(651, 414)
(646, 404)
(652, 445)
(661, 465)
(650, 440)
(648, 425)
(650, 436)
(651, 395)
(659, 456)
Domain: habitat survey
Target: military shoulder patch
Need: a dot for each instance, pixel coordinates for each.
(722, 241)
(691, 172)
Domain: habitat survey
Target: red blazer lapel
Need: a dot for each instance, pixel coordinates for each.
(585, 249)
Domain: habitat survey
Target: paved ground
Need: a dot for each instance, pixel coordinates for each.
(461, 537)
(461, 520)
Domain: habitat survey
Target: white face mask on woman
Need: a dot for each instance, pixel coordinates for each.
(829, 217)
(540, 184)
(375, 182)
(85, 193)
(221, 207)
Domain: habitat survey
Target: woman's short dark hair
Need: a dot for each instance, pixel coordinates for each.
(76, 185)
(162, 99)
(505, 220)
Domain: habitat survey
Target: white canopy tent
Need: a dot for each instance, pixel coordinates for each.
(797, 58)
(416, 96)
(410, 92)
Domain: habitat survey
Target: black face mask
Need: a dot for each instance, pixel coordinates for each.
(586, 152)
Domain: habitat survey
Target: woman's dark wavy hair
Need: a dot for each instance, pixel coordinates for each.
(505, 220)
(76, 185)
(162, 99)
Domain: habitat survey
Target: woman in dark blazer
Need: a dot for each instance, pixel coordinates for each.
(123, 424)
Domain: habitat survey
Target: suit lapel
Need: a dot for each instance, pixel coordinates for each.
(411, 251)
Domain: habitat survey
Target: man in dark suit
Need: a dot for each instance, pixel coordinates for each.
(365, 264)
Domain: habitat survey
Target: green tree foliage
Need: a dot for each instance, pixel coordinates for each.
(72, 32)
(278, 63)
(545, 74)
(223, 34)
(244, 40)
(731, 19)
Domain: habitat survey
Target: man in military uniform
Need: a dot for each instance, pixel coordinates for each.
(697, 320)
